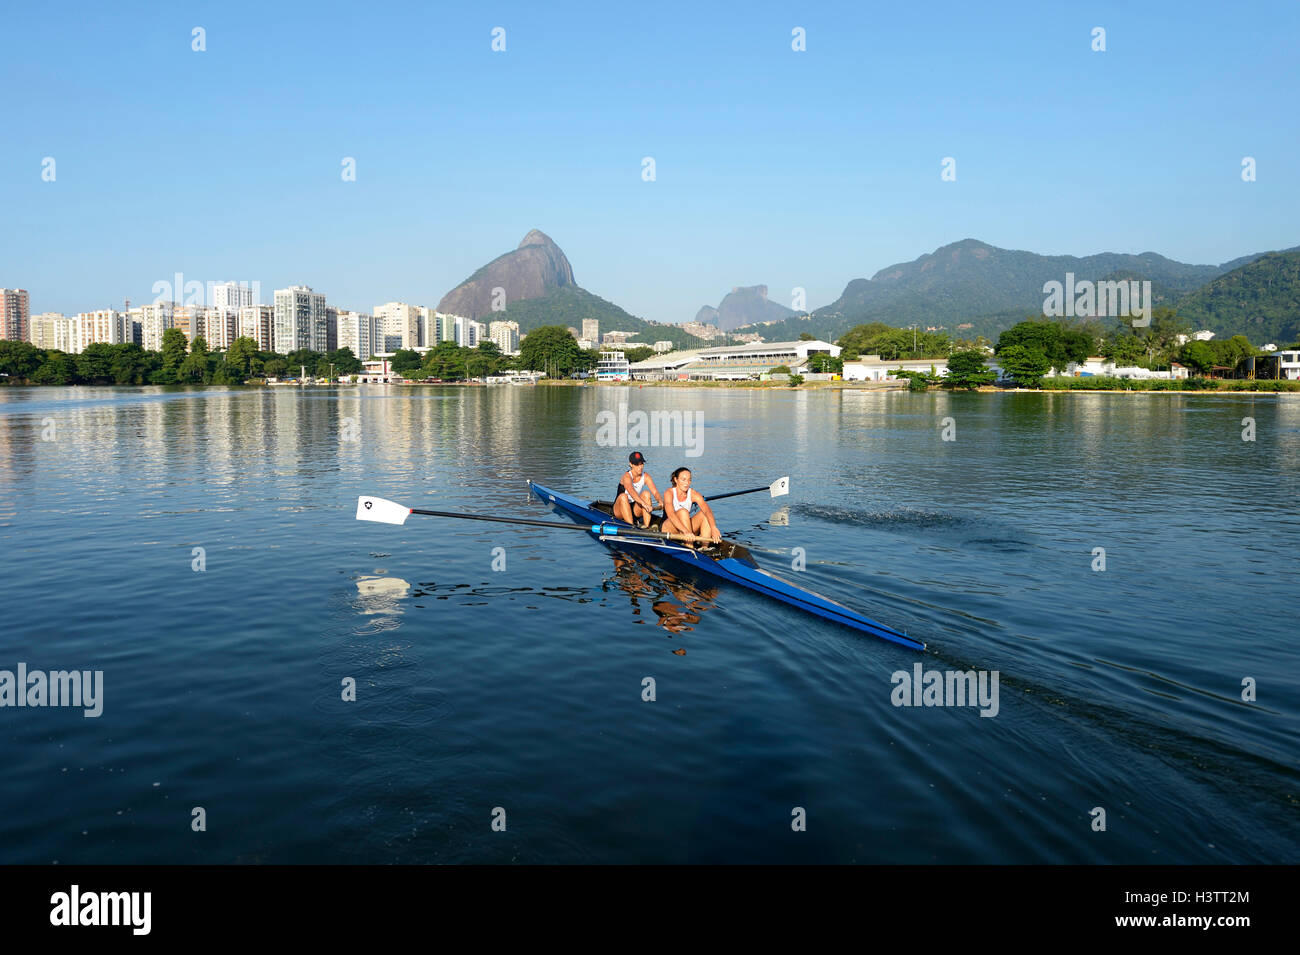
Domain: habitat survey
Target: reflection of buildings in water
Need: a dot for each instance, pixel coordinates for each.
(1287, 428)
(381, 595)
(677, 603)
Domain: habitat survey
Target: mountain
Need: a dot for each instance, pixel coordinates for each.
(540, 290)
(1260, 300)
(973, 288)
(743, 305)
(532, 270)
(568, 306)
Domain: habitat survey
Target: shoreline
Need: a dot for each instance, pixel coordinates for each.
(876, 386)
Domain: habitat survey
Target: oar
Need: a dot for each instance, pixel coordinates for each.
(778, 487)
(390, 512)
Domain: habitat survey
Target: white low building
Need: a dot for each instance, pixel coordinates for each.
(874, 368)
(732, 362)
(1289, 365)
(377, 372)
(613, 366)
(1095, 366)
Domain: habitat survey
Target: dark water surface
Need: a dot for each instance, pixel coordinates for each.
(522, 688)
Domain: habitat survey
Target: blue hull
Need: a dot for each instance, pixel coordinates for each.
(737, 570)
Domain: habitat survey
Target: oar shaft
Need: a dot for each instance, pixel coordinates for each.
(777, 488)
(718, 497)
(611, 529)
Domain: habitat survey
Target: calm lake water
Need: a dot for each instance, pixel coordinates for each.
(477, 688)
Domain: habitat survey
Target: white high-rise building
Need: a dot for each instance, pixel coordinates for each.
(228, 299)
(220, 325)
(15, 314)
(49, 330)
(234, 295)
(591, 329)
(256, 322)
(400, 325)
(106, 325)
(431, 322)
(506, 337)
(299, 319)
(446, 329)
(468, 333)
(357, 331)
(155, 319)
(331, 328)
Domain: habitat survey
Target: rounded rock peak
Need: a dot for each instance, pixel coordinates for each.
(537, 237)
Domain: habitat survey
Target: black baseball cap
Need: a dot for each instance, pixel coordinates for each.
(636, 457)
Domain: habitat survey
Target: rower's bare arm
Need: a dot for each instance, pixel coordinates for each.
(713, 521)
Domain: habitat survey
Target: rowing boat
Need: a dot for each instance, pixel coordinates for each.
(727, 560)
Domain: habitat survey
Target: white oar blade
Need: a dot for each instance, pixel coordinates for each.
(780, 486)
(385, 512)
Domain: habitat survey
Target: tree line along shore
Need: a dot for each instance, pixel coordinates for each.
(1027, 353)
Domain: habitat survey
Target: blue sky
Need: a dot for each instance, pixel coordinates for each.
(776, 167)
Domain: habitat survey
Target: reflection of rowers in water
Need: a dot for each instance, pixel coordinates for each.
(637, 581)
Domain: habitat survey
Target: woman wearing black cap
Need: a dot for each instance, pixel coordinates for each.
(637, 496)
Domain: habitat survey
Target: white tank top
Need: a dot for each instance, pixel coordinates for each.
(637, 484)
(677, 503)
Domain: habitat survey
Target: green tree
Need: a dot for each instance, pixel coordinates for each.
(796, 381)
(194, 369)
(345, 362)
(551, 349)
(1124, 347)
(276, 367)
(968, 369)
(19, 360)
(1059, 343)
(95, 364)
(131, 365)
(57, 369)
(478, 365)
(406, 360)
(822, 364)
(446, 361)
(226, 374)
(174, 349)
(1026, 365)
(807, 337)
(640, 353)
(302, 358)
(1198, 356)
(242, 354)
